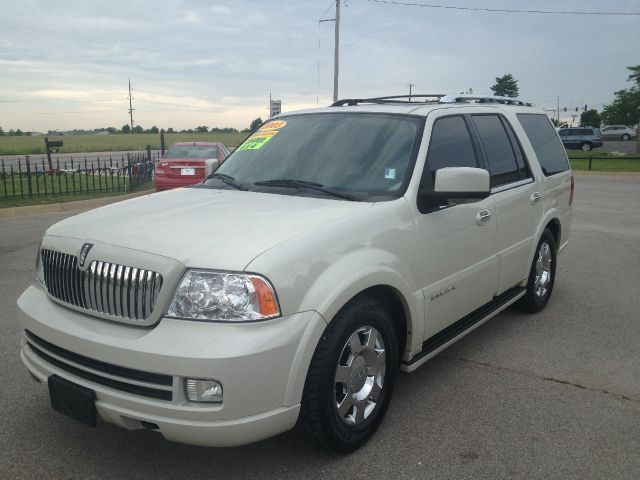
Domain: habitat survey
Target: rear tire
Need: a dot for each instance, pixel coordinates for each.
(351, 377)
(585, 147)
(541, 276)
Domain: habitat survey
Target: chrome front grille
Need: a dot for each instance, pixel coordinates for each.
(104, 287)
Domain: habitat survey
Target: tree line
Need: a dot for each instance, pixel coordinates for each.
(14, 133)
(126, 129)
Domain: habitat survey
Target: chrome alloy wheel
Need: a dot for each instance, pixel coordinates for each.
(543, 270)
(360, 375)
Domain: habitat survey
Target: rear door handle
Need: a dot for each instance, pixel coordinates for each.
(535, 198)
(483, 217)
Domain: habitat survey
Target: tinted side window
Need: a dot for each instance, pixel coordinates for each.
(543, 138)
(520, 158)
(450, 145)
(497, 147)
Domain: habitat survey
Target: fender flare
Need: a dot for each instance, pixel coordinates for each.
(339, 283)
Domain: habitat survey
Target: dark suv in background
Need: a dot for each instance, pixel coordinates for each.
(584, 138)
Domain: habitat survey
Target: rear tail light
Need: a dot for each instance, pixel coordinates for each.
(572, 190)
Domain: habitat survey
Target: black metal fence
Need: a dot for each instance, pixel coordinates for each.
(593, 162)
(29, 177)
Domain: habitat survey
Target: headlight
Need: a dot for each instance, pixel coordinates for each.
(39, 267)
(222, 296)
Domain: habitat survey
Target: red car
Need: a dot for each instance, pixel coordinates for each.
(183, 163)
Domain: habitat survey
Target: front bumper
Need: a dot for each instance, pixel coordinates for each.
(261, 366)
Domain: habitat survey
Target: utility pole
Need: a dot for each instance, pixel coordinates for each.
(558, 111)
(638, 133)
(411, 85)
(336, 49)
(130, 106)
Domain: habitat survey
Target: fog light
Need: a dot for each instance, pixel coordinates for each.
(204, 391)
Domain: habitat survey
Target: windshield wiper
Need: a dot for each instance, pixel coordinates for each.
(299, 184)
(228, 179)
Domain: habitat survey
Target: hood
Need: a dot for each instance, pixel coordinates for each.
(205, 228)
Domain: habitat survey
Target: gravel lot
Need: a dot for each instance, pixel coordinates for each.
(554, 395)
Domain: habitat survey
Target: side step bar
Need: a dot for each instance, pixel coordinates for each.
(464, 325)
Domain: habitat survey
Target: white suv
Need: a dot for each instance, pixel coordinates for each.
(332, 249)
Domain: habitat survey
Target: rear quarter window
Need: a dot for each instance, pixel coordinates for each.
(545, 142)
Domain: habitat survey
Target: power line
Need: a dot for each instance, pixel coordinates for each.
(325, 12)
(503, 10)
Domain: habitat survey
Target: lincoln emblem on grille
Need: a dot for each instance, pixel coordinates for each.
(84, 251)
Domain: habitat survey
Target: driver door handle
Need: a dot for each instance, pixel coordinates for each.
(535, 198)
(483, 217)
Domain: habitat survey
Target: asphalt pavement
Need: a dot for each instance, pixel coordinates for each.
(549, 396)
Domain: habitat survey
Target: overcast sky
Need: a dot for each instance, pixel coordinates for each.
(65, 64)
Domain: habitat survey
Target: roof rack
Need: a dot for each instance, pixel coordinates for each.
(471, 98)
(428, 98)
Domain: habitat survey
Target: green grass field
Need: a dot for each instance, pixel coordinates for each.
(611, 164)
(597, 153)
(111, 143)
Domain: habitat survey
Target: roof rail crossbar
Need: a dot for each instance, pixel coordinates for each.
(424, 98)
(471, 98)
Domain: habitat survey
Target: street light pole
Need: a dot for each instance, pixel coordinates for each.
(336, 54)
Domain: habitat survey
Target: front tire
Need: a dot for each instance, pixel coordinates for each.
(351, 377)
(541, 276)
(585, 147)
(625, 137)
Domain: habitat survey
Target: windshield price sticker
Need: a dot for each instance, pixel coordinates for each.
(275, 125)
(258, 140)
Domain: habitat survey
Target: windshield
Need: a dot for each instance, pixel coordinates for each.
(192, 151)
(366, 156)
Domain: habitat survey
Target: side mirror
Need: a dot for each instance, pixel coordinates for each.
(459, 183)
(210, 166)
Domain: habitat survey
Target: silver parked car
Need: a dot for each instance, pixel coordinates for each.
(618, 132)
